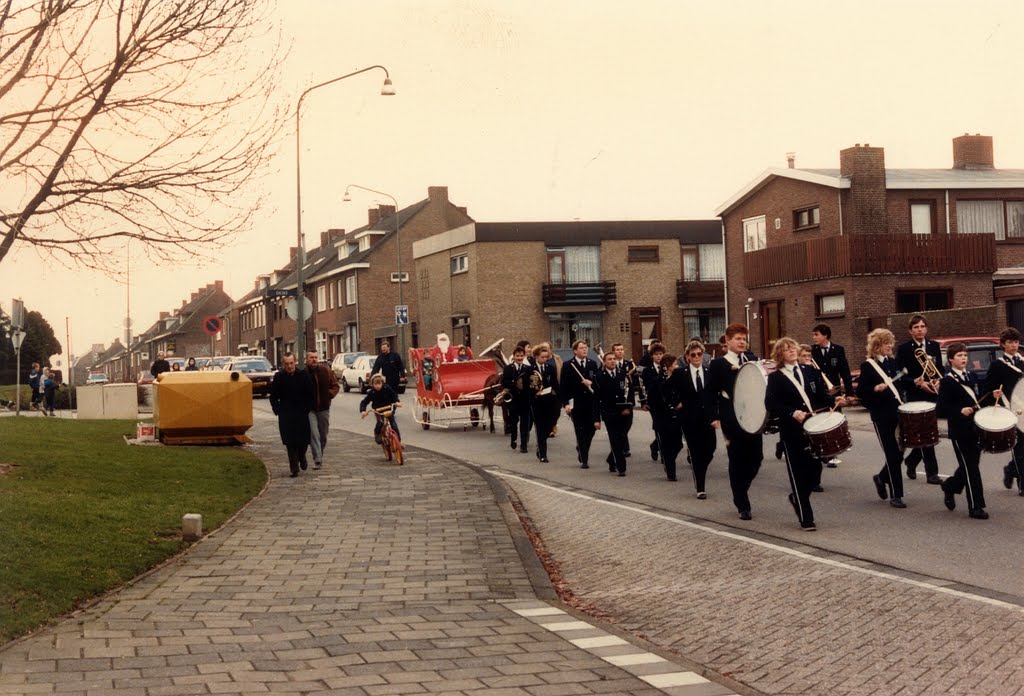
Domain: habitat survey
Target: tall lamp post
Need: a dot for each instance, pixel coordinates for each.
(398, 254)
(386, 90)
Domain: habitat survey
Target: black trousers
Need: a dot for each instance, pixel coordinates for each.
(701, 440)
(520, 420)
(583, 423)
(967, 477)
(1016, 464)
(629, 426)
(931, 464)
(804, 471)
(615, 424)
(670, 442)
(745, 454)
(296, 456)
(891, 472)
(545, 410)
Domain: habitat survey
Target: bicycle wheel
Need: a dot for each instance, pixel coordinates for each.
(396, 447)
(385, 443)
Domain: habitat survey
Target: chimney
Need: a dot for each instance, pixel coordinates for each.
(325, 237)
(864, 166)
(438, 194)
(374, 216)
(385, 211)
(164, 315)
(292, 251)
(973, 152)
(462, 209)
(218, 285)
(791, 160)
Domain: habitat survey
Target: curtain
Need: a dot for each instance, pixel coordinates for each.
(980, 217)
(712, 262)
(582, 264)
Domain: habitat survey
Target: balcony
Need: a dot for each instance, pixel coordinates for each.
(869, 254)
(578, 294)
(705, 291)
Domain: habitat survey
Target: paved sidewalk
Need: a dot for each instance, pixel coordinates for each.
(362, 578)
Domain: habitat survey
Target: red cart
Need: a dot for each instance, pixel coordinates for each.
(451, 393)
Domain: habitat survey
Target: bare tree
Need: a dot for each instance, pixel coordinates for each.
(140, 119)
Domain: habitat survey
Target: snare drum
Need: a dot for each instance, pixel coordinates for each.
(748, 398)
(919, 425)
(997, 429)
(828, 434)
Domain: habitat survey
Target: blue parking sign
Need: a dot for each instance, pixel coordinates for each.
(401, 314)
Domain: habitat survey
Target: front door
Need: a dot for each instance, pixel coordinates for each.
(644, 328)
(1015, 314)
(771, 326)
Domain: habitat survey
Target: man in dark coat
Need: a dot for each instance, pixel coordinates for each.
(325, 388)
(919, 387)
(291, 398)
(159, 366)
(390, 365)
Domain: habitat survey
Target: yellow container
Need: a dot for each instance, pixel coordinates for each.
(202, 408)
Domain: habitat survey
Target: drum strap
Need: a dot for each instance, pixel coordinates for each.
(789, 375)
(974, 397)
(886, 379)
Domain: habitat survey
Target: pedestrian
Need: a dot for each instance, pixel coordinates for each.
(191, 366)
(515, 377)
(1004, 372)
(696, 400)
(160, 365)
(291, 399)
(629, 368)
(544, 401)
(878, 393)
(651, 375)
(389, 365)
(325, 388)
(615, 407)
(579, 399)
(380, 396)
(49, 385)
(920, 358)
(33, 382)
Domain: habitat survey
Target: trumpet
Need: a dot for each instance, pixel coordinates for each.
(929, 371)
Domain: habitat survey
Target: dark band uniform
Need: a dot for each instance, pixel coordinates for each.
(545, 407)
(956, 392)
(697, 400)
(782, 399)
(831, 360)
(884, 409)
(515, 377)
(906, 360)
(626, 366)
(1004, 372)
(661, 401)
(585, 411)
(615, 396)
(745, 451)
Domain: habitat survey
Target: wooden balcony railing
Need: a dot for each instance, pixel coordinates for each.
(690, 291)
(870, 254)
(575, 294)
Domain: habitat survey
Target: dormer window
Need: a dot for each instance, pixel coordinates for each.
(364, 243)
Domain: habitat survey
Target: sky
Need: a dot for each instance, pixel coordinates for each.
(577, 110)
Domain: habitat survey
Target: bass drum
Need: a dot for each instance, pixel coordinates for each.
(1017, 403)
(828, 434)
(748, 398)
(919, 425)
(997, 429)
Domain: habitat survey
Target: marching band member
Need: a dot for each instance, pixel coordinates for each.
(877, 391)
(919, 387)
(793, 393)
(615, 399)
(958, 400)
(830, 358)
(514, 378)
(627, 367)
(544, 398)
(650, 381)
(578, 398)
(662, 401)
(805, 360)
(1004, 373)
(691, 385)
(745, 451)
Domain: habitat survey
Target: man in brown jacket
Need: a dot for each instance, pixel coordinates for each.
(325, 388)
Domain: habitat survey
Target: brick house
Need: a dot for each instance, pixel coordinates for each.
(606, 282)
(181, 332)
(863, 246)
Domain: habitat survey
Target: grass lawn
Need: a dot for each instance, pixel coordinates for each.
(81, 511)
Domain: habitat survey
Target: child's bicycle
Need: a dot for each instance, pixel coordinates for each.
(389, 440)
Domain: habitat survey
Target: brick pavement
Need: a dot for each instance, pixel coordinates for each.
(791, 620)
(363, 578)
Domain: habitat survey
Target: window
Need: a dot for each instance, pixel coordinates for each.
(922, 217)
(1004, 219)
(364, 243)
(331, 294)
(341, 285)
(568, 328)
(806, 217)
(395, 276)
(642, 254)
(908, 301)
(754, 234)
(831, 305)
(350, 289)
(708, 324)
(460, 263)
(321, 343)
(321, 298)
(703, 262)
(351, 338)
(424, 284)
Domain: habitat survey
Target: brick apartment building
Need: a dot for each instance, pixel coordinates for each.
(351, 279)
(605, 282)
(863, 246)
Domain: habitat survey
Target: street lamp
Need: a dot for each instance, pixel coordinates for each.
(386, 90)
(398, 254)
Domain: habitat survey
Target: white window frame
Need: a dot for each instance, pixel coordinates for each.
(459, 264)
(917, 219)
(350, 290)
(832, 304)
(321, 298)
(755, 233)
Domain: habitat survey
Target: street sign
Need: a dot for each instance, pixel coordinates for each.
(293, 309)
(17, 313)
(17, 336)
(281, 293)
(401, 314)
(212, 325)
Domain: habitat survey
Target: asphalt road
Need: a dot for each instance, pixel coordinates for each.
(924, 538)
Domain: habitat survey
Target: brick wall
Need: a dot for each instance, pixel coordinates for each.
(865, 211)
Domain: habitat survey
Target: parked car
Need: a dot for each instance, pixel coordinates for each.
(202, 363)
(358, 374)
(220, 361)
(258, 369)
(146, 378)
(172, 361)
(96, 378)
(343, 360)
(981, 351)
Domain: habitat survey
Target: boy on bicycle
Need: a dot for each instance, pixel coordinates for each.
(380, 396)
